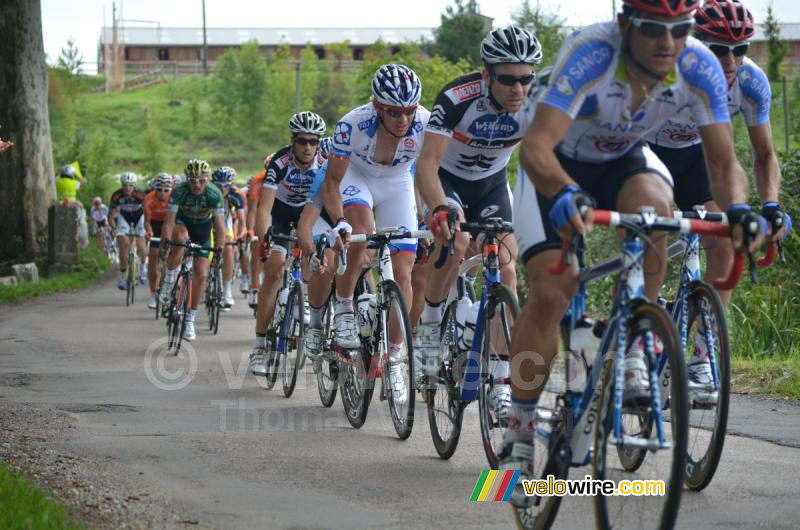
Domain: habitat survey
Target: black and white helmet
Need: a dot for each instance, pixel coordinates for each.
(511, 44)
(308, 123)
(128, 178)
(396, 85)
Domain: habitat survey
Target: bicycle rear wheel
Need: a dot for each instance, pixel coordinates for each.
(501, 312)
(648, 324)
(178, 318)
(131, 278)
(326, 368)
(355, 386)
(294, 334)
(445, 408)
(395, 325)
(708, 417)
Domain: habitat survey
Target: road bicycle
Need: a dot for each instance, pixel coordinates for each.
(176, 310)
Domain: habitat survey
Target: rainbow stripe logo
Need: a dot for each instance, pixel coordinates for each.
(495, 485)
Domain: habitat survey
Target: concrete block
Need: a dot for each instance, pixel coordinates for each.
(26, 272)
(8, 280)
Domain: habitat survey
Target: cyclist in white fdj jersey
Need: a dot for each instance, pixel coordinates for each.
(726, 27)
(476, 122)
(611, 84)
(369, 167)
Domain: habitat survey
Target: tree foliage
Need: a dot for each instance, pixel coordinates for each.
(70, 58)
(776, 48)
(460, 33)
(546, 26)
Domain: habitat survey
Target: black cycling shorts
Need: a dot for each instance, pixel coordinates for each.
(156, 225)
(284, 218)
(688, 168)
(478, 199)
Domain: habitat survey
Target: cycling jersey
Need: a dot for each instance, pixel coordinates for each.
(484, 135)
(155, 209)
(67, 189)
(196, 209)
(291, 185)
(355, 138)
(589, 82)
(130, 207)
(99, 214)
(749, 94)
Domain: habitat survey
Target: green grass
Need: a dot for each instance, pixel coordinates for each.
(24, 506)
(92, 264)
(773, 375)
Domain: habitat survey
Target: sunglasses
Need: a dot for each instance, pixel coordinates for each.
(721, 50)
(396, 112)
(223, 185)
(307, 141)
(197, 180)
(511, 80)
(163, 190)
(654, 29)
(128, 186)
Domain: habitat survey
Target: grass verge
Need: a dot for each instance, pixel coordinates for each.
(24, 506)
(776, 376)
(92, 263)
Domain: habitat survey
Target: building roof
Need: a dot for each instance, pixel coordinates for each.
(788, 30)
(133, 36)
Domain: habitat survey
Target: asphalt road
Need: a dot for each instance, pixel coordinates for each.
(237, 456)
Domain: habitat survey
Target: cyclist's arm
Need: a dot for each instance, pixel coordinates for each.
(331, 195)
(265, 202)
(167, 225)
(537, 154)
(765, 164)
(252, 210)
(112, 215)
(305, 227)
(434, 147)
(219, 229)
(240, 216)
(147, 213)
(727, 179)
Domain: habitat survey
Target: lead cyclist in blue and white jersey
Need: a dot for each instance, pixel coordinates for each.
(726, 28)
(373, 148)
(611, 84)
(476, 122)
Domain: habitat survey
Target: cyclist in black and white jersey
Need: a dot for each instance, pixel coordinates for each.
(475, 123)
(290, 173)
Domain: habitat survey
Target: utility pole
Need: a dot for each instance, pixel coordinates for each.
(613, 9)
(205, 43)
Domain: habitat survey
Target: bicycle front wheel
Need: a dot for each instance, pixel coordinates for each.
(398, 369)
(294, 333)
(649, 327)
(131, 279)
(501, 312)
(326, 368)
(708, 403)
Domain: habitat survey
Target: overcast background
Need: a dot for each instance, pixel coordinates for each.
(82, 20)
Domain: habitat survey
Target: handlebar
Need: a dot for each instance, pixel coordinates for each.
(448, 249)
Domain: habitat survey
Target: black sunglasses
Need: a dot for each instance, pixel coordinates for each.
(306, 141)
(396, 113)
(654, 29)
(721, 50)
(163, 190)
(511, 80)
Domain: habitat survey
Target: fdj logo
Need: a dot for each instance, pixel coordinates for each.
(350, 191)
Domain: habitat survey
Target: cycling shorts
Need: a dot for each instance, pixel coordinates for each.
(156, 226)
(688, 168)
(124, 227)
(284, 218)
(199, 234)
(479, 199)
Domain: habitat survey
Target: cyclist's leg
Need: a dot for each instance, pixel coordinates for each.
(141, 249)
(152, 257)
(273, 276)
(228, 257)
(123, 229)
(180, 234)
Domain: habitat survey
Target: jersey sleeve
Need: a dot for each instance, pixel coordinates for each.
(756, 94)
(315, 192)
(217, 202)
(706, 80)
(255, 187)
(277, 169)
(148, 206)
(114, 199)
(175, 199)
(342, 146)
(450, 103)
(584, 58)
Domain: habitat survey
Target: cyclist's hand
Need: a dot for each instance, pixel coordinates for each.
(262, 250)
(342, 232)
(779, 221)
(747, 228)
(148, 234)
(440, 223)
(317, 267)
(572, 211)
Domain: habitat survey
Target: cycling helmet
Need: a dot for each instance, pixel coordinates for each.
(308, 123)
(725, 20)
(325, 146)
(396, 85)
(197, 168)
(163, 180)
(668, 8)
(223, 174)
(511, 44)
(67, 170)
(128, 178)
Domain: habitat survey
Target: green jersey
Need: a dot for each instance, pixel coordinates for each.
(196, 209)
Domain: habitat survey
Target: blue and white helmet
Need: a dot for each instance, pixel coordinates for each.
(325, 146)
(511, 44)
(396, 85)
(223, 174)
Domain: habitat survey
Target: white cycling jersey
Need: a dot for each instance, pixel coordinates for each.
(99, 214)
(589, 82)
(291, 185)
(484, 137)
(749, 94)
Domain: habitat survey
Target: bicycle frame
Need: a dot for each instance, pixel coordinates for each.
(292, 274)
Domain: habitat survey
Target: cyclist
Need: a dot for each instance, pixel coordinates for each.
(373, 148)
(195, 208)
(234, 207)
(156, 206)
(476, 122)
(127, 217)
(611, 83)
(99, 213)
(289, 177)
(67, 184)
(253, 195)
(726, 27)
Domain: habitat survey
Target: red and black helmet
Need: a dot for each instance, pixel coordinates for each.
(724, 20)
(668, 8)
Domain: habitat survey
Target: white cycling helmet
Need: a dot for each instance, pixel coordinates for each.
(396, 85)
(128, 177)
(511, 44)
(308, 123)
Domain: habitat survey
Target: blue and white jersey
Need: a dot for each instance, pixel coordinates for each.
(483, 137)
(315, 192)
(291, 185)
(590, 83)
(356, 136)
(748, 95)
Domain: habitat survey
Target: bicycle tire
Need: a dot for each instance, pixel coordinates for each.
(217, 298)
(185, 296)
(499, 297)
(208, 299)
(131, 278)
(355, 386)
(294, 332)
(446, 415)
(177, 319)
(645, 317)
(326, 368)
(402, 413)
(704, 301)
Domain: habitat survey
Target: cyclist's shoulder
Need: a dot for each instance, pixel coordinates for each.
(462, 90)
(281, 159)
(752, 80)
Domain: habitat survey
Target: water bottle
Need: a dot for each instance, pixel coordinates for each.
(466, 317)
(583, 347)
(367, 311)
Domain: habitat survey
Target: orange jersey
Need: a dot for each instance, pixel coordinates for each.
(254, 191)
(154, 208)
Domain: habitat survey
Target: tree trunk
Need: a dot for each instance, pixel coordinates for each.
(26, 170)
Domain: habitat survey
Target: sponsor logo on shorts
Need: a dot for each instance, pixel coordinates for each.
(489, 210)
(350, 191)
(612, 145)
